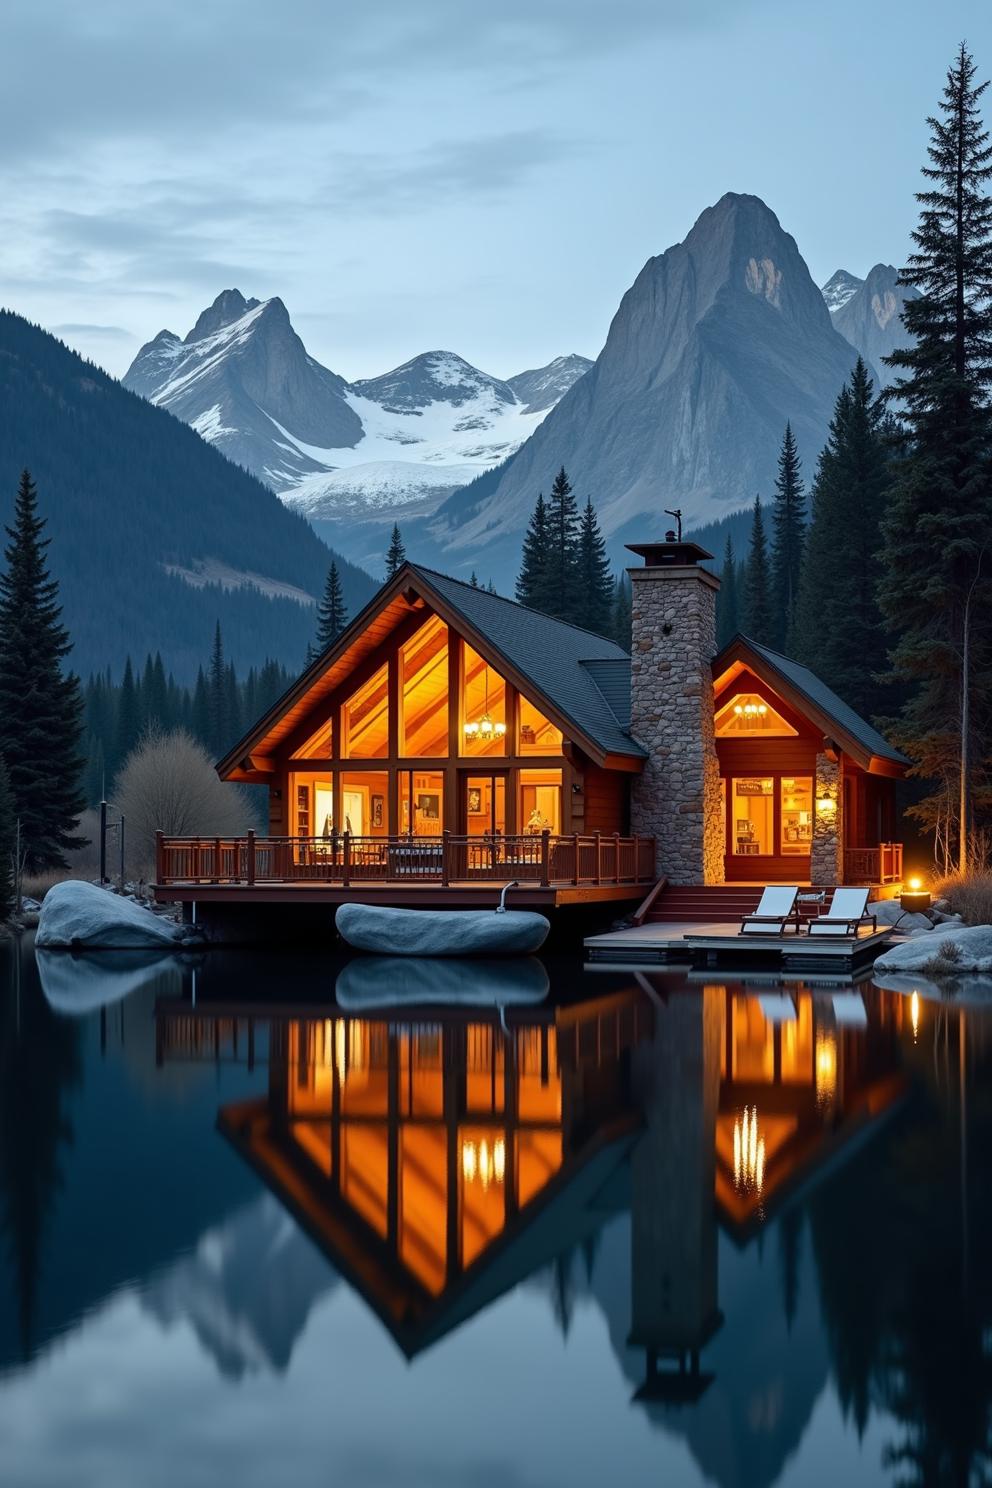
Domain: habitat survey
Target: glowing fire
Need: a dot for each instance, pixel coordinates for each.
(482, 1163)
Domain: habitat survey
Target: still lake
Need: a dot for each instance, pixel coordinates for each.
(609, 1227)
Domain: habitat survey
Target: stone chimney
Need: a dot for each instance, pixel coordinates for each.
(677, 797)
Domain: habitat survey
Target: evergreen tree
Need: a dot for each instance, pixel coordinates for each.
(562, 599)
(8, 845)
(200, 722)
(594, 593)
(232, 707)
(728, 620)
(531, 586)
(395, 554)
(758, 611)
(788, 535)
(217, 695)
(128, 717)
(838, 619)
(41, 707)
(332, 616)
(473, 581)
(622, 611)
(937, 531)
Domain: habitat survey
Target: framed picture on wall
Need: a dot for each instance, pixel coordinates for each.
(474, 800)
(378, 809)
(429, 806)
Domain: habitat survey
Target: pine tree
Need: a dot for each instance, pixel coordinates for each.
(758, 611)
(217, 695)
(937, 531)
(332, 616)
(788, 536)
(8, 845)
(473, 581)
(728, 621)
(128, 730)
(622, 619)
(838, 620)
(41, 707)
(561, 573)
(593, 577)
(395, 554)
(531, 586)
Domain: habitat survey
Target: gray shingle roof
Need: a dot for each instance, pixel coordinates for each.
(612, 676)
(822, 697)
(557, 657)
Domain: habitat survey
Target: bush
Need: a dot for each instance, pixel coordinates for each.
(168, 784)
(969, 895)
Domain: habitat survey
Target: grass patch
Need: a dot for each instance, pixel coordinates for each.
(969, 895)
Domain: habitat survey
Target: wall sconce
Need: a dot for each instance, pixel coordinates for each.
(826, 806)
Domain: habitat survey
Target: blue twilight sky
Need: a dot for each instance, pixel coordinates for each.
(413, 174)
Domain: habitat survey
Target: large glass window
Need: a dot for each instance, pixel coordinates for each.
(422, 802)
(365, 803)
(797, 814)
(366, 719)
(424, 692)
(312, 798)
(319, 745)
(540, 801)
(485, 805)
(483, 707)
(753, 817)
(537, 734)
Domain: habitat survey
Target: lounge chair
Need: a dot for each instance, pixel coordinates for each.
(847, 912)
(774, 914)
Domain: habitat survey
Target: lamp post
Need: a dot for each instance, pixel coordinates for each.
(106, 827)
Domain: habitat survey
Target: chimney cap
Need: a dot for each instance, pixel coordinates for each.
(669, 554)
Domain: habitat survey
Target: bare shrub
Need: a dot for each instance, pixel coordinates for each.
(168, 784)
(969, 895)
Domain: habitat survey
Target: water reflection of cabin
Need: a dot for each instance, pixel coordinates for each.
(437, 1163)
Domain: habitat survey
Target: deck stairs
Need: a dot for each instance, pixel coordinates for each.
(686, 904)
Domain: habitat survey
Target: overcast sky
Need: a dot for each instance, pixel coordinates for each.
(413, 174)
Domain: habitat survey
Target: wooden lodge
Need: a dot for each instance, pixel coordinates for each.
(452, 741)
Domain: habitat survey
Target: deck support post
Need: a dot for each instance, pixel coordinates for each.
(346, 861)
(250, 865)
(216, 877)
(445, 861)
(599, 861)
(159, 858)
(545, 858)
(575, 858)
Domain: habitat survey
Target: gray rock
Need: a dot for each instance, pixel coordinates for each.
(79, 914)
(424, 932)
(889, 912)
(871, 319)
(972, 950)
(388, 981)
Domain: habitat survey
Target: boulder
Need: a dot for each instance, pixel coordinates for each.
(964, 991)
(430, 932)
(81, 914)
(389, 981)
(958, 947)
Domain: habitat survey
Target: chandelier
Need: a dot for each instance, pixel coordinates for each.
(482, 1163)
(749, 1153)
(485, 728)
(750, 712)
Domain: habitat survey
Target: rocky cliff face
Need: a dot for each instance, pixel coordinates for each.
(718, 342)
(871, 318)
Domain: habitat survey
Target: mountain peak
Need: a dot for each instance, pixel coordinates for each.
(839, 288)
(228, 307)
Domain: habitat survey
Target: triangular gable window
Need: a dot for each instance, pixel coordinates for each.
(749, 716)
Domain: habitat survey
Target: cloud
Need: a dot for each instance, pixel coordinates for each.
(81, 328)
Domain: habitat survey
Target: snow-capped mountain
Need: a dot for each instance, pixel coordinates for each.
(839, 288)
(871, 318)
(339, 451)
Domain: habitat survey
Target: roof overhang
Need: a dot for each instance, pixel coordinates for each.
(738, 657)
(250, 760)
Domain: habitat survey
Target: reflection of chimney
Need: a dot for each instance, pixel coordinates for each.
(673, 1217)
(673, 641)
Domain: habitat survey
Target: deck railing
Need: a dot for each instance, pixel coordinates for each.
(592, 859)
(873, 865)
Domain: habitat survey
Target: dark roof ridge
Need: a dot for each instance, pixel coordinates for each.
(478, 589)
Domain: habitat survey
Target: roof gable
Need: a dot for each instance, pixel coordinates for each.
(815, 700)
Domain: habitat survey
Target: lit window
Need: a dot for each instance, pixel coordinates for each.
(537, 734)
(540, 801)
(797, 814)
(319, 745)
(749, 716)
(483, 707)
(753, 807)
(424, 692)
(366, 719)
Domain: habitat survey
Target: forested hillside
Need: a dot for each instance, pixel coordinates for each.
(131, 492)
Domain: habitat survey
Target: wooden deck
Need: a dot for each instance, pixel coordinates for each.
(429, 872)
(720, 945)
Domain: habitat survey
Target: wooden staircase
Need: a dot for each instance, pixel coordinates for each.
(681, 904)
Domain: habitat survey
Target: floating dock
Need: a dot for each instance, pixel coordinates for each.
(721, 945)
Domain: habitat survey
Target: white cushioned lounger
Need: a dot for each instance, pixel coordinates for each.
(777, 907)
(844, 914)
